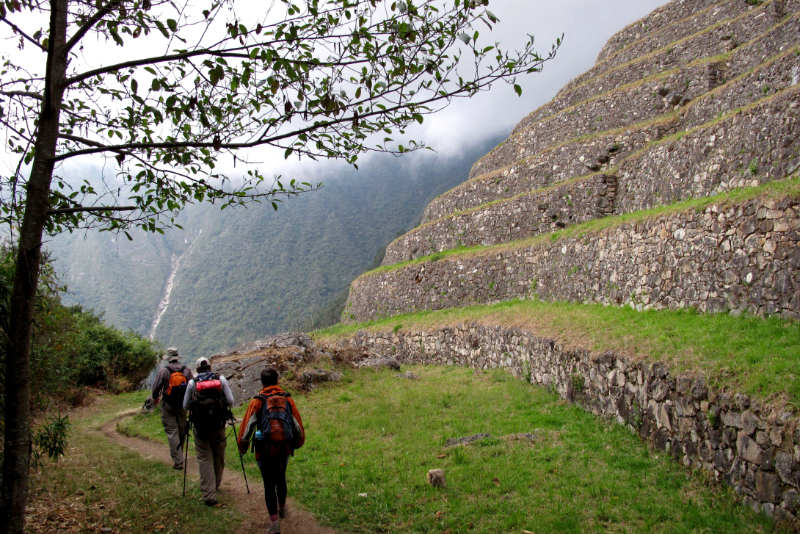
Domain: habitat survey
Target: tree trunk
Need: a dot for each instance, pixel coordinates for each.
(17, 452)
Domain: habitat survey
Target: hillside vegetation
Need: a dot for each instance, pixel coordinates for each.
(72, 349)
(247, 273)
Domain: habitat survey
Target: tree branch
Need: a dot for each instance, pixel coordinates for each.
(488, 79)
(94, 19)
(25, 35)
(90, 209)
(28, 94)
(230, 52)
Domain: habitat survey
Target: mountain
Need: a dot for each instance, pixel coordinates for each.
(240, 274)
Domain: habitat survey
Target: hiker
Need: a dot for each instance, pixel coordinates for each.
(170, 387)
(209, 399)
(273, 421)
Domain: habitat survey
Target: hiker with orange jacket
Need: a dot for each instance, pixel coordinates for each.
(274, 424)
(169, 386)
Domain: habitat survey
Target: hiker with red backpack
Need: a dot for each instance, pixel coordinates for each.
(276, 429)
(169, 386)
(209, 399)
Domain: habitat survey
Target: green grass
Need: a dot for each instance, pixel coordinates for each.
(373, 437)
(105, 486)
(746, 354)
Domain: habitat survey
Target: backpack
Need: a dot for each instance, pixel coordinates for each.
(209, 409)
(176, 389)
(276, 433)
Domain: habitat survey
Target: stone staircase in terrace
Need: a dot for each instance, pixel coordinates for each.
(620, 191)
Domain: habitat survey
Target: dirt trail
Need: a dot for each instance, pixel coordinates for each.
(232, 492)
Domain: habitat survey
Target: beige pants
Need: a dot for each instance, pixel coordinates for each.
(210, 462)
(175, 427)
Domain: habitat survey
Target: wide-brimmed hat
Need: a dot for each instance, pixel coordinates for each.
(172, 354)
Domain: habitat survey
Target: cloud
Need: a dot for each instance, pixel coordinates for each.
(586, 25)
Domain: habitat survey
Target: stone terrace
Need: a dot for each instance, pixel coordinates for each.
(697, 99)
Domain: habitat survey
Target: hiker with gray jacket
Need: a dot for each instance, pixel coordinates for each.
(209, 400)
(169, 386)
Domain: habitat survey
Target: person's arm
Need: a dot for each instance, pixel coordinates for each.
(226, 389)
(248, 425)
(296, 415)
(187, 397)
(158, 384)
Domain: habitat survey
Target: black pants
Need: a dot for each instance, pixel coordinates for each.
(273, 471)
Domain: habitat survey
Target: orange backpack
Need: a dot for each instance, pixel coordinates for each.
(276, 433)
(176, 389)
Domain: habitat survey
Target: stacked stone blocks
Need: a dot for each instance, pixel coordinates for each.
(699, 98)
(752, 445)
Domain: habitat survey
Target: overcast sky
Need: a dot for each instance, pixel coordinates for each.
(586, 25)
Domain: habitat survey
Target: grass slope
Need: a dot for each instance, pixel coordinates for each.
(373, 437)
(746, 354)
(788, 187)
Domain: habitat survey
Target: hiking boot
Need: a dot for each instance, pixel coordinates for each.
(275, 528)
(177, 467)
(210, 502)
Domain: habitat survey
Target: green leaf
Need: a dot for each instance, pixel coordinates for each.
(216, 74)
(162, 29)
(518, 89)
(173, 25)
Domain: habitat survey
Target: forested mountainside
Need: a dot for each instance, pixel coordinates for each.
(666, 177)
(240, 274)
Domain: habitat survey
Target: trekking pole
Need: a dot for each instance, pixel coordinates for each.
(186, 455)
(241, 458)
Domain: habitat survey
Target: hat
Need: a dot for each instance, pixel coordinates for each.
(202, 363)
(172, 354)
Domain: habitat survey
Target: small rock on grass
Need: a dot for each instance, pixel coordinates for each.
(436, 478)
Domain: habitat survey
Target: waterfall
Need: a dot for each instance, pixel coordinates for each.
(175, 264)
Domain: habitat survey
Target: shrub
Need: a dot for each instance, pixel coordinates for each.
(71, 347)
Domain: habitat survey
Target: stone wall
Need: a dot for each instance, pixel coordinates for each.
(742, 31)
(660, 20)
(551, 166)
(701, 77)
(527, 214)
(777, 73)
(753, 446)
(689, 22)
(574, 158)
(742, 257)
(754, 146)
(751, 147)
